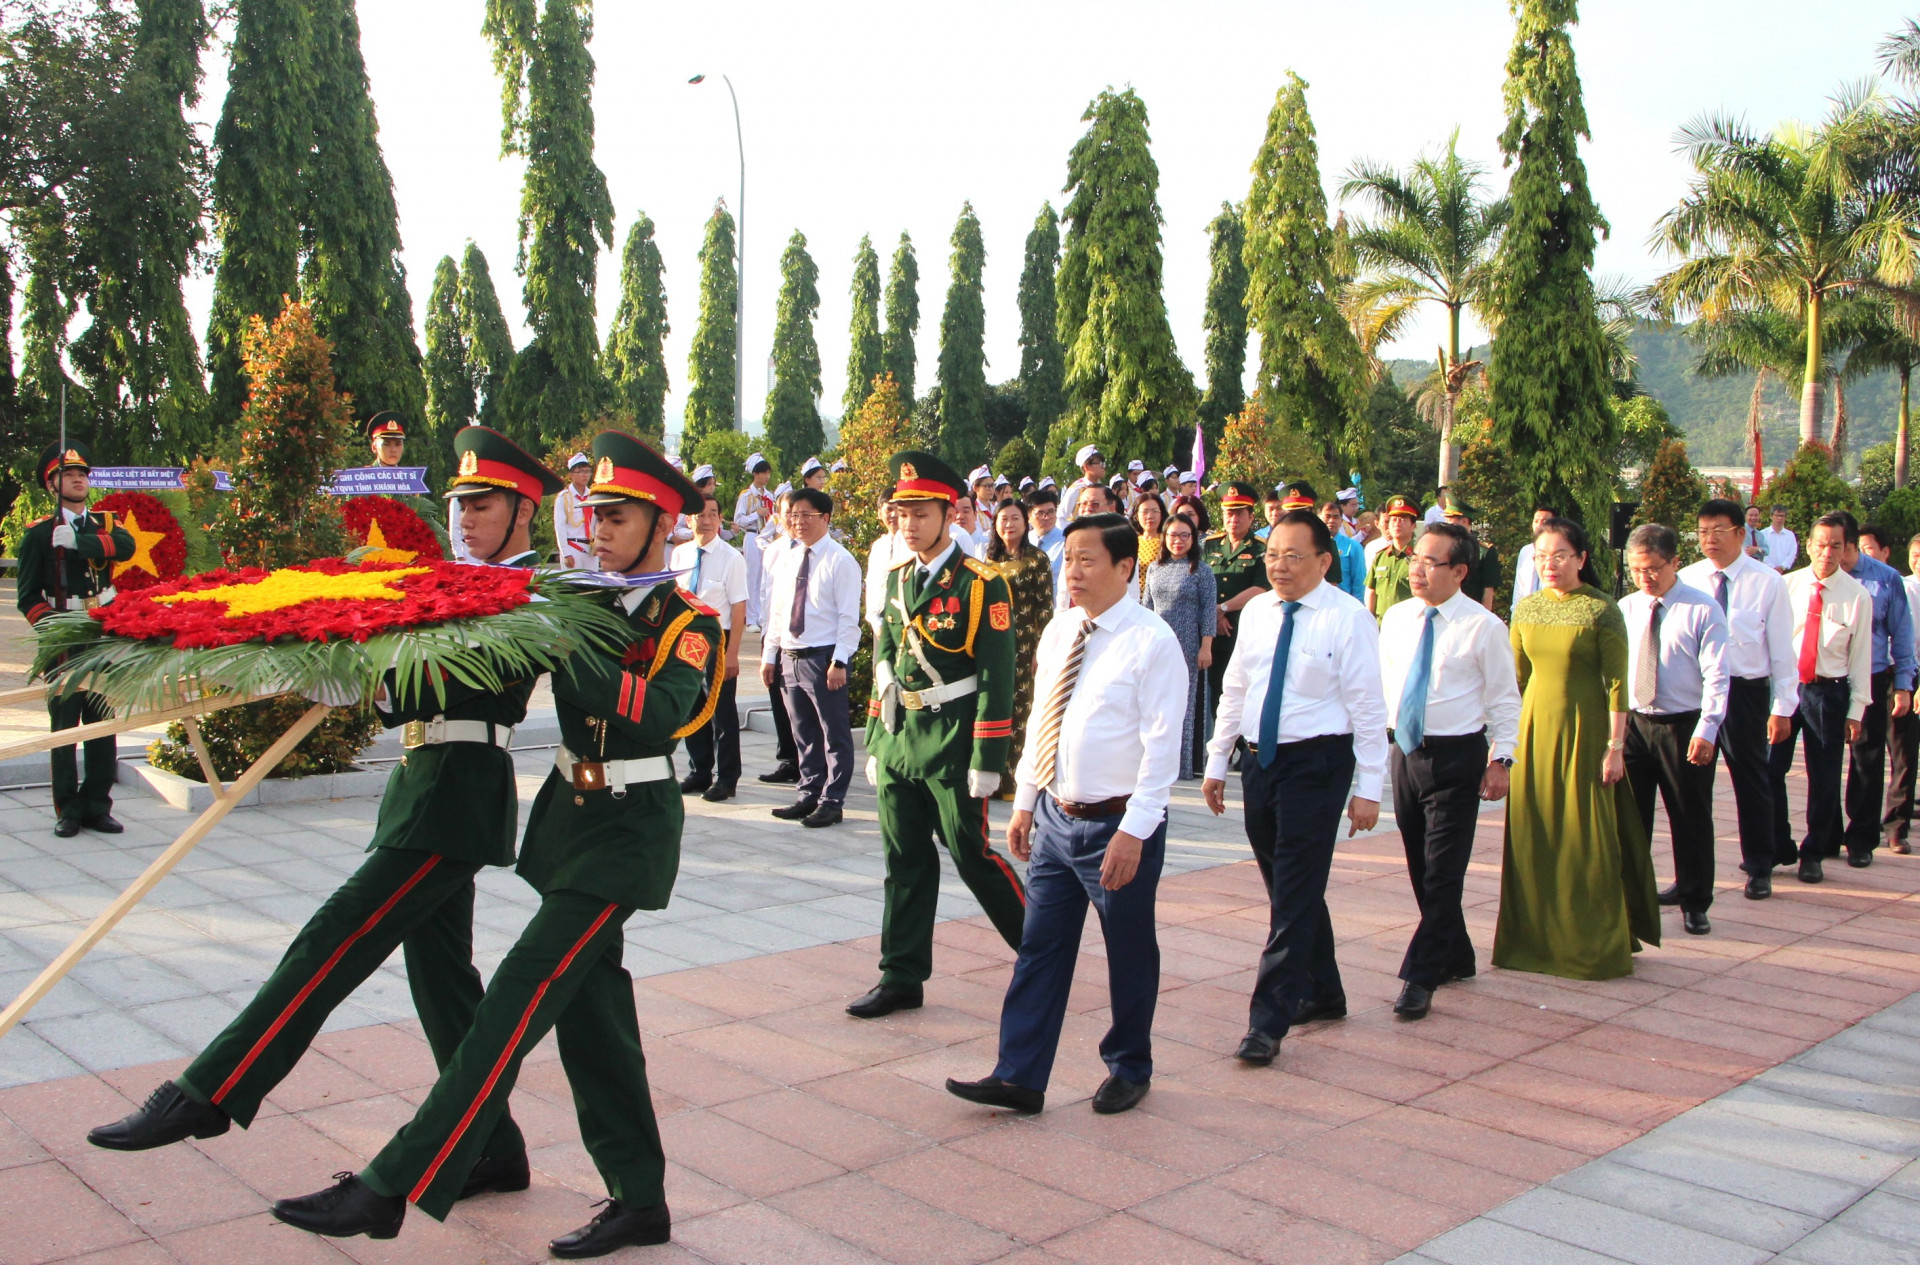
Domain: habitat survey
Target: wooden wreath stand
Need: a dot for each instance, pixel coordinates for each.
(224, 800)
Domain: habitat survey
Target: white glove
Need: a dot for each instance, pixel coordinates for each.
(982, 783)
(873, 771)
(63, 536)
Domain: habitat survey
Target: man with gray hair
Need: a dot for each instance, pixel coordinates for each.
(1677, 692)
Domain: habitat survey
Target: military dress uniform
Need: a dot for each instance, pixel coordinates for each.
(80, 577)
(942, 707)
(1388, 578)
(1236, 568)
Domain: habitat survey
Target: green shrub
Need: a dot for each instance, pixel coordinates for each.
(237, 736)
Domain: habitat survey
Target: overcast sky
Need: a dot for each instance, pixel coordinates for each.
(877, 117)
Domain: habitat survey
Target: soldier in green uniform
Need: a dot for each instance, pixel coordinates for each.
(603, 841)
(451, 807)
(940, 723)
(1387, 581)
(66, 563)
(1483, 578)
(1239, 565)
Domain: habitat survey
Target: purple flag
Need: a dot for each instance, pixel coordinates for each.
(1199, 455)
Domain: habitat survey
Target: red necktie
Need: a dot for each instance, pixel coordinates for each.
(1810, 639)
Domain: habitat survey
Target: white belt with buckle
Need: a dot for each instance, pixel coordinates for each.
(617, 775)
(431, 733)
(934, 695)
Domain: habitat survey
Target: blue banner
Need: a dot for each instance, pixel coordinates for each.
(136, 478)
(357, 481)
(380, 481)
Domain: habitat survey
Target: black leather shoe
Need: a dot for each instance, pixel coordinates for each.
(1695, 921)
(991, 1091)
(504, 1175)
(693, 784)
(1670, 894)
(167, 1116)
(66, 827)
(104, 824)
(1257, 1048)
(719, 791)
(615, 1227)
(1322, 1008)
(1415, 1001)
(786, 773)
(884, 1000)
(1810, 871)
(1117, 1094)
(825, 815)
(1859, 858)
(1759, 886)
(341, 1211)
(799, 810)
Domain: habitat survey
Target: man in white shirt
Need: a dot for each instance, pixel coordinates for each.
(1303, 691)
(1526, 577)
(887, 552)
(1756, 548)
(1043, 513)
(1783, 547)
(964, 528)
(1446, 668)
(715, 573)
(1677, 696)
(1903, 733)
(1833, 630)
(813, 607)
(1102, 747)
(1436, 512)
(572, 521)
(752, 510)
(1763, 685)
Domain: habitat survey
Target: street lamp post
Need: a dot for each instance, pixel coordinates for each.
(740, 267)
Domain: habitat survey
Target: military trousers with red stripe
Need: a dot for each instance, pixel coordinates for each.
(564, 975)
(917, 815)
(417, 901)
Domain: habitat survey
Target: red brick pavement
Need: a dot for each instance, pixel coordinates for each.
(796, 1134)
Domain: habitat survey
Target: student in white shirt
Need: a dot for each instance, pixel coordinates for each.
(752, 511)
(715, 573)
(886, 552)
(572, 521)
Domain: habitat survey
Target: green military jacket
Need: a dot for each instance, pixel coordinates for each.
(98, 543)
(458, 799)
(1388, 580)
(1490, 573)
(622, 844)
(1236, 568)
(962, 620)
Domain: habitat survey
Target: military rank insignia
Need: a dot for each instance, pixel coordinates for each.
(693, 649)
(653, 611)
(1000, 616)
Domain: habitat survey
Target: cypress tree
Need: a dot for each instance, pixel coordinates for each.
(1313, 376)
(963, 357)
(484, 330)
(1225, 323)
(1042, 362)
(1552, 405)
(903, 320)
(793, 406)
(711, 371)
(636, 360)
(864, 350)
(1126, 388)
(450, 397)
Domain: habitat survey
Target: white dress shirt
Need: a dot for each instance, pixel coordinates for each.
(1473, 684)
(832, 616)
(1332, 686)
(1760, 642)
(1846, 631)
(886, 553)
(716, 573)
(1692, 675)
(1783, 548)
(1121, 731)
(965, 539)
(1526, 578)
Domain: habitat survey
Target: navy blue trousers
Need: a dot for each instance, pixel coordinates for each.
(1293, 812)
(1821, 727)
(1063, 878)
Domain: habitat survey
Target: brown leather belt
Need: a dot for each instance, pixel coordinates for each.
(1096, 810)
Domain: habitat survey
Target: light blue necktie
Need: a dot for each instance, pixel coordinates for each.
(1276, 686)
(1411, 725)
(699, 556)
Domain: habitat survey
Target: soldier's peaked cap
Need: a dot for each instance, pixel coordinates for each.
(383, 424)
(624, 469)
(1239, 496)
(75, 456)
(923, 476)
(490, 462)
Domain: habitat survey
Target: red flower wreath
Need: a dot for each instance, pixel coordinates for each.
(400, 529)
(160, 546)
(324, 600)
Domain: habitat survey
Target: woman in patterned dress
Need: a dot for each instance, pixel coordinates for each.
(1182, 592)
(1030, 579)
(1149, 513)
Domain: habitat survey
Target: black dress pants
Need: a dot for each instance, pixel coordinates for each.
(1820, 726)
(1903, 744)
(1436, 801)
(784, 749)
(1656, 758)
(1743, 741)
(719, 736)
(1867, 771)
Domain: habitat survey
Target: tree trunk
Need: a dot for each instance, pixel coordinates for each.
(1839, 440)
(1810, 396)
(1900, 439)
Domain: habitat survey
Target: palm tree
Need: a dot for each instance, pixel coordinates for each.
(1886, 343)
(1768, 344)
(1433, 242)
(1785, 222)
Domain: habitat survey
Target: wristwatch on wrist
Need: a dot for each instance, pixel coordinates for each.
(836, 663)
(1504, 761)
(1621, 745)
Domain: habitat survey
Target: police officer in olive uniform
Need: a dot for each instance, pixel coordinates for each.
(1239, 565)
(66, 563)
(1387, 578)
(603, 841)
(451, 808)
(940, 723)
(1484, 577)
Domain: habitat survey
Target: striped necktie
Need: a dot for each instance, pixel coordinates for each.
(1048, 752)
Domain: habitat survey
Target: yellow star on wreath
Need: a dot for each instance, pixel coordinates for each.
(143, 543)
(281, 589)
(377, 549)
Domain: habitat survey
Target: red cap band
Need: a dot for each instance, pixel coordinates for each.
(638, 484)
(498, 474)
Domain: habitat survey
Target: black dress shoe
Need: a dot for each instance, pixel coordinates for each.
(1415, 1001)
(1859, 858)
(991, 1091)
(615, 1227)
(167, 1116)
(1321, 1008)
(1117, 1094)
(341, 1211)
(502, 1174)
(785, 773)
(719, 791)
(1759, 886)
(1257, 1048)
(825, 815)
(66, 827)
(1695, 921)
(1810, 871)
(104, 824)
(884, 1000)
(799, 810)
(693, 784)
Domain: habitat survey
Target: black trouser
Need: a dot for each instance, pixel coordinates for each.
(722, 731)
(1743, 741)
(822, 725)
(1436, 801)
(1867, 771)
(1217, 671)
(92, 797)
(1903, 744)
(1820, 725)
(783, 749)
(1293, 818)
(1657, 759)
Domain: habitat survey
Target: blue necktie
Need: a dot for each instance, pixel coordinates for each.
(1411, 725)
(699, 556)
(1720, 589)
(1276, 686)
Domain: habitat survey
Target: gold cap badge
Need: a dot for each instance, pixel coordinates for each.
(907, 471)
(603, 473)
(469, 463)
